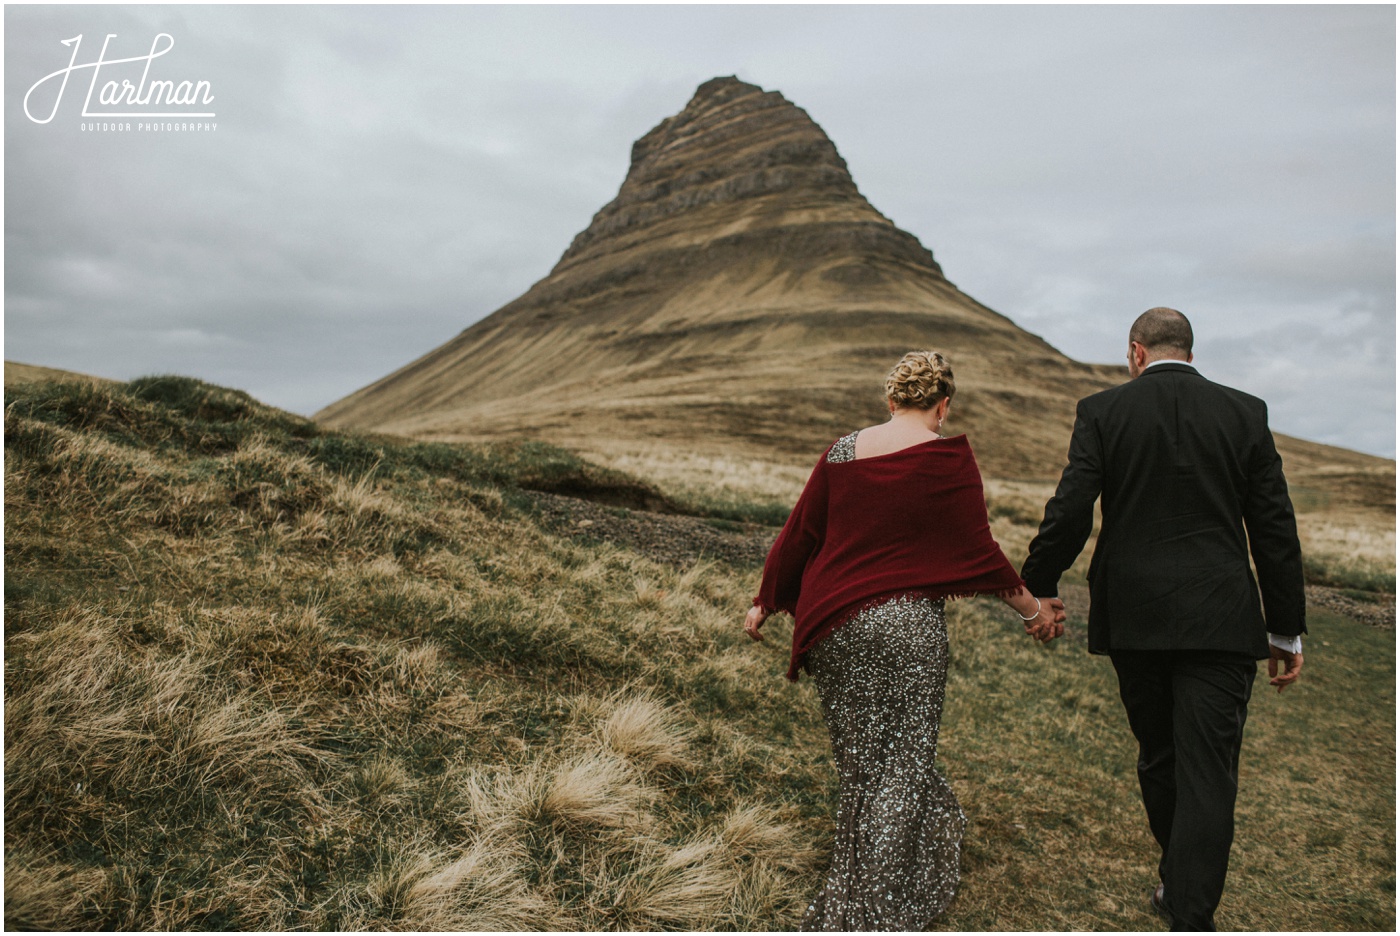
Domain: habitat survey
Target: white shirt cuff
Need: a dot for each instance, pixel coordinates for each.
(1287, 644)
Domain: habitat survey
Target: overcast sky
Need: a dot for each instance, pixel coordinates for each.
(380, 178)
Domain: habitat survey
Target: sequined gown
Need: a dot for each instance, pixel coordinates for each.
(898, 826)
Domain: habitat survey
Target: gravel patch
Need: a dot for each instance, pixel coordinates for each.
(668, 538)
(1378, 613)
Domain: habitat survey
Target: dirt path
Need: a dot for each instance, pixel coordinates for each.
(1379, 613)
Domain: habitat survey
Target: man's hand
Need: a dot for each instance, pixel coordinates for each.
(754, 621)
(1292, 666)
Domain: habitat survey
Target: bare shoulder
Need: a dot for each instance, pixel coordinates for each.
(885, 439)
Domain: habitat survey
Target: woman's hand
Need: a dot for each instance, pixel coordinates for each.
(754, 621)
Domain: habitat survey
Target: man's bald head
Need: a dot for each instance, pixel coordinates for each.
(1164, 332)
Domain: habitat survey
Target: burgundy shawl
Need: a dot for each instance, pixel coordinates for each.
(909, 522)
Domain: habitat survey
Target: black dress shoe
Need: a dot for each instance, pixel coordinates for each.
(1159, 904)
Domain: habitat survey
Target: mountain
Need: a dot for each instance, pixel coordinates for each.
(741, 297)
(739, 294)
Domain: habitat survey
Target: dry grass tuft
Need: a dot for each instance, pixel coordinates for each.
(492, 802)
(272, 485)
(383, 779)
(593, 789)
(476, 888)
(48, 895)
(643, 730)
(416, 669)
(389, 888)
(672, 887)
(457, 711)
(481, 889)
(649, 597)
(755, 829)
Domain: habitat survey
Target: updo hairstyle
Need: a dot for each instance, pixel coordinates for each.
(920, 380)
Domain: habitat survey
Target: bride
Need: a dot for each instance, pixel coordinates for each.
(891, 523)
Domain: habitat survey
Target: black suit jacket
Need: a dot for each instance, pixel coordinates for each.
(1184, 467)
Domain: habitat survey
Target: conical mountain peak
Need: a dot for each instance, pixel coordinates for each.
(740, 295)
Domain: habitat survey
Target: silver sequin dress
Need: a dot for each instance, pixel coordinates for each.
(899, 828)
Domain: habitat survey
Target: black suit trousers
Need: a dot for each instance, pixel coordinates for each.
(1187, 710)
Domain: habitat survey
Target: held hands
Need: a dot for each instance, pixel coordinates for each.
(1049, 623)
(1292, 666)
(754, 621)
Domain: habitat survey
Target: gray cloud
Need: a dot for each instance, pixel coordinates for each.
(383, 177)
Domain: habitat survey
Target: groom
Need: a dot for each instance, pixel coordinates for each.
(1184, 468)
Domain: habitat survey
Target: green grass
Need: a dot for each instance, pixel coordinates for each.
(259, 675)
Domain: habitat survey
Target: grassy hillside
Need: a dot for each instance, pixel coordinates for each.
(17, 373)
(264, 676)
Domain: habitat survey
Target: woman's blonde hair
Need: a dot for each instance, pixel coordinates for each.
(920, 380)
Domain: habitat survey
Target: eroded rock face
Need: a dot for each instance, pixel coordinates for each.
(736, 156)
(739, 294)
